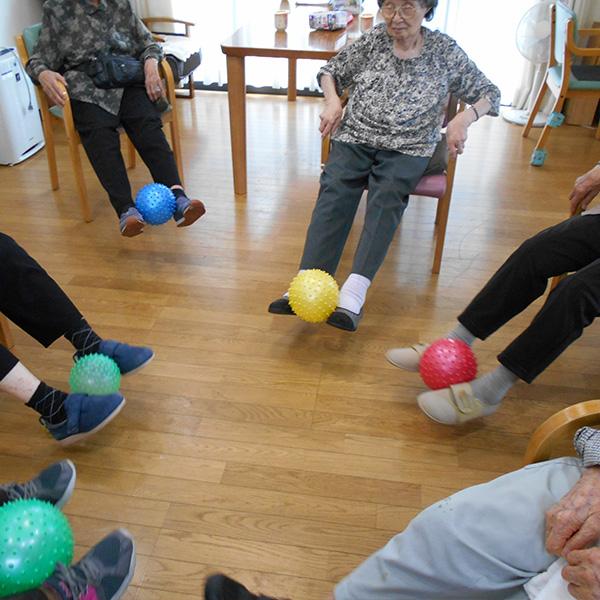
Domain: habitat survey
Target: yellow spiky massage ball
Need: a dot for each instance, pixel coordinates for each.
(314, 295)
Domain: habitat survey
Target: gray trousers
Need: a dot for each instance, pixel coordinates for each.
(390, 176)
(483, 543)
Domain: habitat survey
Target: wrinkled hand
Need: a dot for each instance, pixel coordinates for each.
(583, 573)
(586, 188)
(152, 79)
(50, 82)
(456, 134)
(330, 117)
(574, 521)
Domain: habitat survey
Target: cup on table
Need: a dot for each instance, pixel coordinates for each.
(281, 20)
(366, 21)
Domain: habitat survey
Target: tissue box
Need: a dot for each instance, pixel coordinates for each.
(328, 20)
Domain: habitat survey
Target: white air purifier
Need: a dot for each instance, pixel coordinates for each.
(21, 133)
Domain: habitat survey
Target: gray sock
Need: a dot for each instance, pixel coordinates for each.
(460, 332)
(491, 388)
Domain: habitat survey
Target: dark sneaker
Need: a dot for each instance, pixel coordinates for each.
(188, 211)
(54, 484)
(131, 223)
(85, 415)
(128, 358)
(221, 587)
(345, 319)
(281, 306)
(104, 573)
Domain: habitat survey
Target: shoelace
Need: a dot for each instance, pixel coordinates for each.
(463, 401)
(15, 490)
(79, 578)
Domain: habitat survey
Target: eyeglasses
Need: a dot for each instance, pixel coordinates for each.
(407, 10)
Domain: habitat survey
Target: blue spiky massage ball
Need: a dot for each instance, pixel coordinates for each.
(95, 375)
(156, 202)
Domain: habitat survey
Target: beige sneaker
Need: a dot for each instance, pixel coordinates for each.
(407, 358)
(454, 405)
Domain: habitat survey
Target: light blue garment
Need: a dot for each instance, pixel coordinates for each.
(483, 543)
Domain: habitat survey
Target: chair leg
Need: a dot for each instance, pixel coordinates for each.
(176, 145)
(191, 84)
(51, 154)
(325, 150)
(443, 210)
(131, 159)
(6, 338)
(547, 127)
(535, 109)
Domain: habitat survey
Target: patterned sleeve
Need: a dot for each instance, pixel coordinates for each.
(468, 82)
(47, 53)
(587, 444)
(343, 67)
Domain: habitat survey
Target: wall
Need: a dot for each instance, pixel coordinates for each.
(15, 15)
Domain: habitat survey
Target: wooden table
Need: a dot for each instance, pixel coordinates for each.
(259, 38)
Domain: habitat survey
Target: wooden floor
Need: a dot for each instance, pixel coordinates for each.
(279, 452)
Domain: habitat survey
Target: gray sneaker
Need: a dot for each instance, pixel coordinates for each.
(131, 222)
(104, 573)
(54, 484)
(188, 211)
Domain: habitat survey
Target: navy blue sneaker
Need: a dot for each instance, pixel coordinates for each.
(188, 211)
(85, 415)
(54, 484)
(128, 358)
(104, 573)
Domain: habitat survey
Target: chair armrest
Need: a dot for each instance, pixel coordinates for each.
(574, 48)
(151, 20)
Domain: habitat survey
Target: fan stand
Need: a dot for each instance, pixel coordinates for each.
(520, 117)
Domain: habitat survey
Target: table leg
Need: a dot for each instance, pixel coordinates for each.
(292, 80)
(236, 86)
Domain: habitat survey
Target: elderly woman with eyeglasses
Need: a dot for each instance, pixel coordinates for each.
(401, 74)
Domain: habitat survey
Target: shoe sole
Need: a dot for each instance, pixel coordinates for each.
(69, 490)
(194, 211)
(78, 437)
(123, 587)
(132, 227)
(138, 368)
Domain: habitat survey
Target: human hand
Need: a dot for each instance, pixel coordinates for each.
(585, 190)
(50, 82)
(574, 521)
(583, 573)
(456, 133)
(152, 79)
(330, 117)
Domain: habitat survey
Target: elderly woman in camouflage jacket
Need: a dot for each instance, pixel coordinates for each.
(75, 32)
(402, 74)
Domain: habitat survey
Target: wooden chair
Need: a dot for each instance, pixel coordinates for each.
(432, 186)
(561, 427)
(563, 78)
(52, 114)
(187, 71)
(6, 338)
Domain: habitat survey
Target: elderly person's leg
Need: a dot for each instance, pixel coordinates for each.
(483, 543)
(97, 129)
(31, 299)
(393, 177)
(343, 182)
(143, 125)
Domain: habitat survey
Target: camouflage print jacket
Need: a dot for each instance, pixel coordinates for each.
(75, 31)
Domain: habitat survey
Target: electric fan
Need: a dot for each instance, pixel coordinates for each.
(533, 42)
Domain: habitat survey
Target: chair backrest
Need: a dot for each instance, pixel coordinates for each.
(31, 35)
(562, 14)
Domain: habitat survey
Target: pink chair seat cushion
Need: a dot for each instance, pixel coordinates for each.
(433, 186)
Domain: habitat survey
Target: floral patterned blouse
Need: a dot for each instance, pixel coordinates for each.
(75, 31)
(399, 104)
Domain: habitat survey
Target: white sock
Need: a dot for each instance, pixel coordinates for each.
(460, 332)
(491, 388)
(354, 293)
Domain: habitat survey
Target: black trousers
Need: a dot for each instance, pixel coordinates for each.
(31, 299)
(569, 247)
(98, 132)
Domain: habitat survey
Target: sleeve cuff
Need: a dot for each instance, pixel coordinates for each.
(587, 445)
